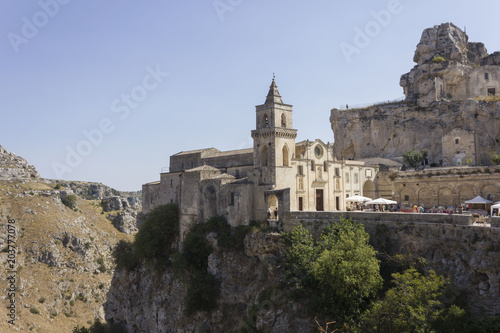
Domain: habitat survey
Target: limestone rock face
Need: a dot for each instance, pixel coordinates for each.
(450, 68)
(15, 167)
(125, 220)
(250, 300)
(445, 40)
(390, 130)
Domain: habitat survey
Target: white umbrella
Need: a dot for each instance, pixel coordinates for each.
(358, 198)
(381, 201)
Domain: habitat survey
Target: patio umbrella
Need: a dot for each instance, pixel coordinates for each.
(381, 201)
(358, 198)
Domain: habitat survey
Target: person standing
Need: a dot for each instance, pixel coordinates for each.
(276, 213)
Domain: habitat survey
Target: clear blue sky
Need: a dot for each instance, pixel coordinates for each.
(70, 66)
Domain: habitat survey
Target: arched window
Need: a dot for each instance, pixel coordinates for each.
(283, 120)
(263, 157)
(266, 121)
(285, 156)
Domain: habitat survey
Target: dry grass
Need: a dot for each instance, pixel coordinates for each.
(488, 98)
(73, 293)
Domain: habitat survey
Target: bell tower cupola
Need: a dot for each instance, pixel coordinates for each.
(274, 137)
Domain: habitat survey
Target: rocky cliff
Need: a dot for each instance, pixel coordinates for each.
(61, 257)
(390, 130)
(449, 67)
(13, 166)
(250, 298)
(446, 90)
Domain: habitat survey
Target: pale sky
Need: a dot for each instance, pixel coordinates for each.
(106, 91)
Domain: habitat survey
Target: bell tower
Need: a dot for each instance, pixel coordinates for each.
(273, 139)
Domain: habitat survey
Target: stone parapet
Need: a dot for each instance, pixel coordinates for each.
(495, 222)
(293, 219)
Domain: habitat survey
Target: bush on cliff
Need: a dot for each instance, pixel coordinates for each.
(414, 304)
(70, 201)
(414, 157)
(340, 272)
(99, 327)
(202, 293)
(153, 242)
(124, 255)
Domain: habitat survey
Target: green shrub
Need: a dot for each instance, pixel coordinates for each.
(414, 157)
(124, 256)
(196, 250)
(100, 262)
(70, 201)
(154, 240)
(41, 300)
(202, 293)
(58, 186)
(34, 310)
(495, 159)
(99, 327)
(438, 59)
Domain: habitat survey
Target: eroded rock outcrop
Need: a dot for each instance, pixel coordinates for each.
(15, 167)
(449, 67)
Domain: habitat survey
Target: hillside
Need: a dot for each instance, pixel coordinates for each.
(63, 266)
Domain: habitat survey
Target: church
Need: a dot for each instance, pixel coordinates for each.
(276, 174)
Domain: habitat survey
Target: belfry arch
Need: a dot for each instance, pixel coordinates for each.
(286, 159)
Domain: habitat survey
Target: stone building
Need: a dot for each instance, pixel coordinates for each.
(446, 186)
(459, 148)
(450, 68)
(277, 172)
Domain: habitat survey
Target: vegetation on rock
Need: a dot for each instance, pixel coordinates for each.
(70, 201)
(414, 157)
(153, 243)
(340, 273)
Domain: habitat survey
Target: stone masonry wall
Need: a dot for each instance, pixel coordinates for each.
(468, 255)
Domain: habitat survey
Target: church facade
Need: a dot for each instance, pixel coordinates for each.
(277, 173)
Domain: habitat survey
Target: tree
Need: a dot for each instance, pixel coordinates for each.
(124, 255)
(340, 273)
(414, 157)
(347, 270)
(413, 305)
(300, 252)
(156, 236)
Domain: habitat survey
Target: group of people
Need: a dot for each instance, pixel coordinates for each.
(418, 209)
(270, 213)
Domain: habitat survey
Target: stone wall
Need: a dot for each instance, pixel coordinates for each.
(468, 255)
(458, 147)
(449, 186)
